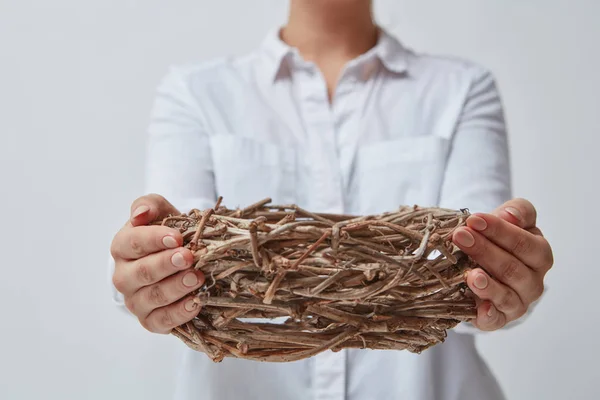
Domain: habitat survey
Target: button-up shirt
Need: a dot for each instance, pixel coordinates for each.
(402, 128)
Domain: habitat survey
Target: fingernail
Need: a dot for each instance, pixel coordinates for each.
(480, 281)
(514, 212)
(139, 211)
(190, 280)
(477, 223)
(178, 260)
(170, 242)
(464, 238)
(191, 305)
(492, 311)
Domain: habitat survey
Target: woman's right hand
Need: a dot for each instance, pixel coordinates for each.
(153, 271)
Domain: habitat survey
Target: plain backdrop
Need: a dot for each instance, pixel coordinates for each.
(77, 80)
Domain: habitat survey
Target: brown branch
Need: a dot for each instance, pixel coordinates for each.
(284, 283)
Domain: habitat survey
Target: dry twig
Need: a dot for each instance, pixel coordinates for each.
(285, 284)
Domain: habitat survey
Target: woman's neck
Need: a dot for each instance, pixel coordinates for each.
(330, 29)
(330, 33)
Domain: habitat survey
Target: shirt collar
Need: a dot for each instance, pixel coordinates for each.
(274, 51)
(392, 54)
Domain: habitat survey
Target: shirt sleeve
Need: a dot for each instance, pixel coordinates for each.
(178, 157)
(178, 164)
(478, 173)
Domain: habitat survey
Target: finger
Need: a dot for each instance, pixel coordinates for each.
(504, 298)
(164, 319)
(518, 212)
(150, 208)
(130, 276)
(138, 242)
(489, 318)
(534, 251)
(165, 292)
(536, 231)
(504, 267)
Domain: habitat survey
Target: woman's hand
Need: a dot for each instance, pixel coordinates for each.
(515, 258)
(152, 271)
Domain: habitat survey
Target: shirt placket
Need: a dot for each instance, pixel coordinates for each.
(348, 125)
(321, 141)
(329, 368)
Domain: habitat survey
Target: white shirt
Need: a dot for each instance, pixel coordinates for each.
(403, 128)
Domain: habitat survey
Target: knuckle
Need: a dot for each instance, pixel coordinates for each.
(536, 231)
(178, 317)
(148, 325)
(166, 320)
(549, 261)
(520, 312)
(113, 248)
(115, 245)
(155, 322)
(118, 281)
(511, 271)
(130, 304)
(144, 274)
(156, 296)
(506, 303)
(136, 246)
(522, 245)
(492, 227)
(548, 257)
(538, 290)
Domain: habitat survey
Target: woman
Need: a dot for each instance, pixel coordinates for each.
(334, 114)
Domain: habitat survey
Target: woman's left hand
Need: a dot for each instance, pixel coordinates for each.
(515, 258)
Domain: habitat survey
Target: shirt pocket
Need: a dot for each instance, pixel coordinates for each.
(248, 170)
(405, 171)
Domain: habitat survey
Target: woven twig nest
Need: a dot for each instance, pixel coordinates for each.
(284, 284)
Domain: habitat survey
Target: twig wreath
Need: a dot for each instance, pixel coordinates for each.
(284, 284)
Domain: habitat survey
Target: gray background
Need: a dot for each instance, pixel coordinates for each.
(76, 83)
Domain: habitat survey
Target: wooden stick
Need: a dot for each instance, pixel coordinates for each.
(285, 283)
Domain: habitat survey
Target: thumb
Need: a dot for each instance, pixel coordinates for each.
(519, 212)
(150, 208)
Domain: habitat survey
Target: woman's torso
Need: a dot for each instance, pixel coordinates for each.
(383, 142)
